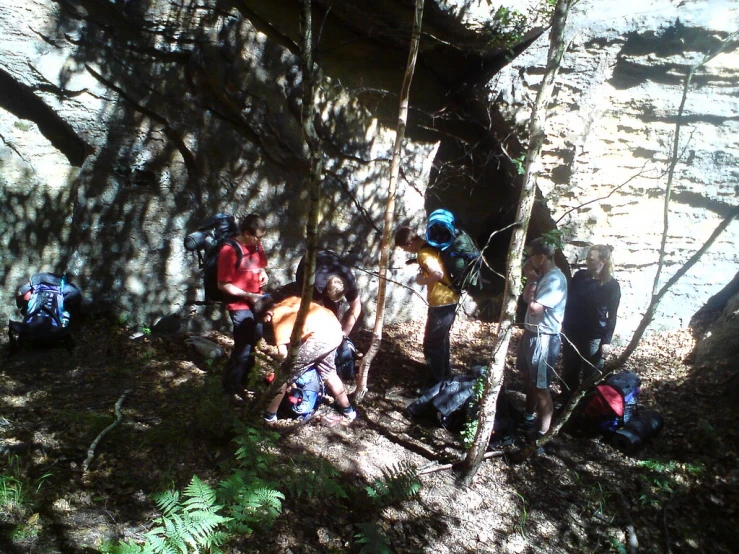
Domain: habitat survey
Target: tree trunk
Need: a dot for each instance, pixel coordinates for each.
(374, 348)
(287, 370)
(494, 379)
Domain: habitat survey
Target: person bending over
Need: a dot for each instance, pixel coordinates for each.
(334, 280)
(321, 337)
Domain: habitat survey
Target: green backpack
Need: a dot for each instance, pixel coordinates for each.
(459, 253)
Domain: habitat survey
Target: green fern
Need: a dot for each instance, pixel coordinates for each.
(398, 483)
(372, 539)
(249, 503)
(314, 477)
(188, 526)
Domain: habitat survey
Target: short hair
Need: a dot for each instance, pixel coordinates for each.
(605, 254)
(404, 236)
(252, 224)
(335, 287)
(262, 306)
(541, 246)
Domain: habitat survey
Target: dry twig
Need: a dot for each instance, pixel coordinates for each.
(116, 423)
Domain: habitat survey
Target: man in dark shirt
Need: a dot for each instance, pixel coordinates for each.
(334, 281)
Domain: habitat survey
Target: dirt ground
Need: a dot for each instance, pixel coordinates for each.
(678, 494)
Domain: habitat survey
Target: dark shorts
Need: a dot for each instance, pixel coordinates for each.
(537, 356)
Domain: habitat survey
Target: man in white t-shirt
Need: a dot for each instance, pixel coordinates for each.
(546, 296)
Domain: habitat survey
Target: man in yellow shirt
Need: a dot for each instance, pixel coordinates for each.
(441, 298)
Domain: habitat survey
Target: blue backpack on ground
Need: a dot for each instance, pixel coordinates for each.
(461, 257)
(48, 304)
(306, 394)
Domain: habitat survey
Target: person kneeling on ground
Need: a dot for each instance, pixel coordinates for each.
(322, 335)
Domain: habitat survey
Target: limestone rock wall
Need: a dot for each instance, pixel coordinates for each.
(610, 130)
(123, 125)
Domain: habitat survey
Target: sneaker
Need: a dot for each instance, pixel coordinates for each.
(349, 414)
(269, 417)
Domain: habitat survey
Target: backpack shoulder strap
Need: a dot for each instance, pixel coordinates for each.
(236, 245)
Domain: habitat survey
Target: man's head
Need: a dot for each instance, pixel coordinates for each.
(335, 288)
(406, 239)
(254, 227)
(539, 252)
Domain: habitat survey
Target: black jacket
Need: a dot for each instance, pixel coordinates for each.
(591, 307)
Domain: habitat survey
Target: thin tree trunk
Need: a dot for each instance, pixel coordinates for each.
(494, 379)
(374, 348)
(287, 371)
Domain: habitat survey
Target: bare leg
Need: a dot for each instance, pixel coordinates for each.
(336, 387)
(275, 404)
(545, 409)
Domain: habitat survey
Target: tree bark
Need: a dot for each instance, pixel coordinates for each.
(374, 348)
(287, 371)
(494, 378)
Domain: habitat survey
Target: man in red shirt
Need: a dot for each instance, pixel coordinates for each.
(241, 275)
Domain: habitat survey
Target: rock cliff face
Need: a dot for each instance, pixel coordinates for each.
(124, 124)
(612, 121)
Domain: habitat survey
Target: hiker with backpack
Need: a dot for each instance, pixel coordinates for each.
(589, 320)
(241, 276)
(442, 302)
(545, 295)
(322, 335)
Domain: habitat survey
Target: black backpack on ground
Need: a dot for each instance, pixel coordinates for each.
(452, 403)
(346, 358)
(459, 253)
(207, 242)
(48, 304)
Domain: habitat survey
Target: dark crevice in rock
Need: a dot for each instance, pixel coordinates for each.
(20, 100)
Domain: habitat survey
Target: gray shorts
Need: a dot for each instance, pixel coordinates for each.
(537, 356)
(320, 354)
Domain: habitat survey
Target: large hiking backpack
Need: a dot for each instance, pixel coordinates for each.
(48, 304)
(460, 255)
(305, 395)
(612, 403)
(452, 403)
(207, 242)
(346, 358)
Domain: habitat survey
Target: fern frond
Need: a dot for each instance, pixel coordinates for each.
(372, 539)
(398, 483)
(199, 495)
(167, 501)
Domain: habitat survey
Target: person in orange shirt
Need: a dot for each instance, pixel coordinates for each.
(322, 335)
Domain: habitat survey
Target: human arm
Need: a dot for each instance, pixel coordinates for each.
(612, 304)
(281, 351)
(430, 270)
(236, 292)
(351, 316)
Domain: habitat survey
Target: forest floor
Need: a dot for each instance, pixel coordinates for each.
(680, 493)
